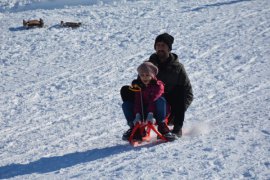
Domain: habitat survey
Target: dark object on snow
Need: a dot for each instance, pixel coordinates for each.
(33, 23)
(71, 24)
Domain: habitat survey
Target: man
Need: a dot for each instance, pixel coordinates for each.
(178, 90)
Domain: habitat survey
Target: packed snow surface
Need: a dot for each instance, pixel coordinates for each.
(60, 108)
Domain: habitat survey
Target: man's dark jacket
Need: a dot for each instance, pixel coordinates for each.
(178, 90)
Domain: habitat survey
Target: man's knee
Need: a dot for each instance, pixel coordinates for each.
(127, 94)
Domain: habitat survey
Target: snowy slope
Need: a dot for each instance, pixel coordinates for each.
(60, 108)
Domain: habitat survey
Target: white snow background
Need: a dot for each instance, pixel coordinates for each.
(60, 108)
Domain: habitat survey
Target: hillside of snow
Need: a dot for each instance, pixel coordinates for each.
(60, 107)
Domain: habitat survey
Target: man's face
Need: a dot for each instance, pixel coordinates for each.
(162, 50)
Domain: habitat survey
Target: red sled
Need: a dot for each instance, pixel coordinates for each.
(145, 132)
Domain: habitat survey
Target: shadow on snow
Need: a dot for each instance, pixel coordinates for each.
(50, 164)
(218, 4)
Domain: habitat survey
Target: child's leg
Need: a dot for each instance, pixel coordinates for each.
(161, 110)
(161, 113)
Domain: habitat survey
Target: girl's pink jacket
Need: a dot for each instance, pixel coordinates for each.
(149, 95)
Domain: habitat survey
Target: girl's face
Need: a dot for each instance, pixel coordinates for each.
(146, 78)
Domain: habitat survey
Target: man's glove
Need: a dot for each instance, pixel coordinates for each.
(137, 119)
(150, 118)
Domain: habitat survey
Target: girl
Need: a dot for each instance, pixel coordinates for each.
(148, 102)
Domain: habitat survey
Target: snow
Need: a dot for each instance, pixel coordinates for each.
(60, 108)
